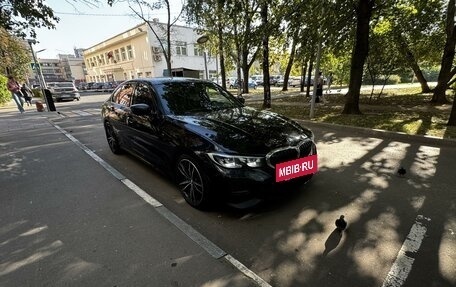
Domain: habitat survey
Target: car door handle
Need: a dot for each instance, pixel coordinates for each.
(129, 121)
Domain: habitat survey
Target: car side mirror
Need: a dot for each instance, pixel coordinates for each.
(241, 99)
(141, 109)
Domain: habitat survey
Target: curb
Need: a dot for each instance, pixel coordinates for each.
(430, 140)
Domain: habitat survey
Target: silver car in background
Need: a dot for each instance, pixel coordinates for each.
(63, 91)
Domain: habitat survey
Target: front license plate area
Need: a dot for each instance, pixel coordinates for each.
(296, 168)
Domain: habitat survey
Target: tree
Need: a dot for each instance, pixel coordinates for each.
(265, 42)
(416, 27)
(364, 11)
(447, 68)
(452, 119)
(17, 17)
(383, 58)
(210, 17)
(15, 58)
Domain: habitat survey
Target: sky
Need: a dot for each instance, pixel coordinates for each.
(82, 25)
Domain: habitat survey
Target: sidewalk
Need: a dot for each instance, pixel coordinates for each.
(67, 221)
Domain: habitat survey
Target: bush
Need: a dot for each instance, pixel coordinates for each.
(5, 95)
(37, 93)
(393, 80)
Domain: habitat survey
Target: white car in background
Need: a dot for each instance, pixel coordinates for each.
(63, 91)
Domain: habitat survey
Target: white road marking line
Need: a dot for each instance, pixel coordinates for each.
(188, 230)
(81, 113)
(149, 199)
(405, 258)
(247, 272)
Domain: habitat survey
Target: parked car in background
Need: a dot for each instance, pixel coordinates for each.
(294, 82)
(98, 86)
(110, 86)
(273, 80)
(280, 82)
(251, 84)
(258, 79)
(205, 138)
(89, 85)
(62, 91)
(82, 86)
(230, 81)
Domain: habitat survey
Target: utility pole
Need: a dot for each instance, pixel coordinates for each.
(40, 74)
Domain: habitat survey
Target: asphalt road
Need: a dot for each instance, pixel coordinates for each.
(289, 240)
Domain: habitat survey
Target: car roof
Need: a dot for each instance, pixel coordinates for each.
(163, 80)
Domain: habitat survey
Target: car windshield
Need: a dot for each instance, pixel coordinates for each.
(183, 98)
(61, 85)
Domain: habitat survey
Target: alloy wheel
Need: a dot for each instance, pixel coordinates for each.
(112, 139)
(191, 182)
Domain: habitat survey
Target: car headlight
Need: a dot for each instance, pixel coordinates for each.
(233, 161)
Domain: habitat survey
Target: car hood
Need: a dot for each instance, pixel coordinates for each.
(245, 130)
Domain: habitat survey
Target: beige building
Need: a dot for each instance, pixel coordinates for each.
(136, 53)
(73, 67)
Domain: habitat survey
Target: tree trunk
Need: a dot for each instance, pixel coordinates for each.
(359, 55)
(289, 66)
(309, 76)
(168, 40)
(411, 60)
(452, 119)
(238, 60)
(222, 56)
(266, 83)
(245, 69)
(439, 95)
(303, 77)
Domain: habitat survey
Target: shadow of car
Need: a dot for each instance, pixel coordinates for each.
(205, 138)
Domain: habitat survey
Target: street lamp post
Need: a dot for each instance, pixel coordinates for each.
(201, 40)
(39, 72)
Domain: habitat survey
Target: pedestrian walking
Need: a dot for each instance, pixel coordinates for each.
(27, 93)
(15, 89)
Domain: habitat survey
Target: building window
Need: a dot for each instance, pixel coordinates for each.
(130, 52)
(198, 51)
(140, 74)
(148, 74)
(181, 48)
(125, 76)
(117, 55)
(123, 53)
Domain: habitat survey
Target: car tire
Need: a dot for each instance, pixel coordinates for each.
(111, 137)
(192, 181)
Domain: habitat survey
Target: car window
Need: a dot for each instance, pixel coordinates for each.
(144, 95)
(180, 98)
(123, 95)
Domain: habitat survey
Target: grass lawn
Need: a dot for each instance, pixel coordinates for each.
(401, 110)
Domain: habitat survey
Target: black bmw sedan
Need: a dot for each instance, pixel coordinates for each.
(206, 138)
